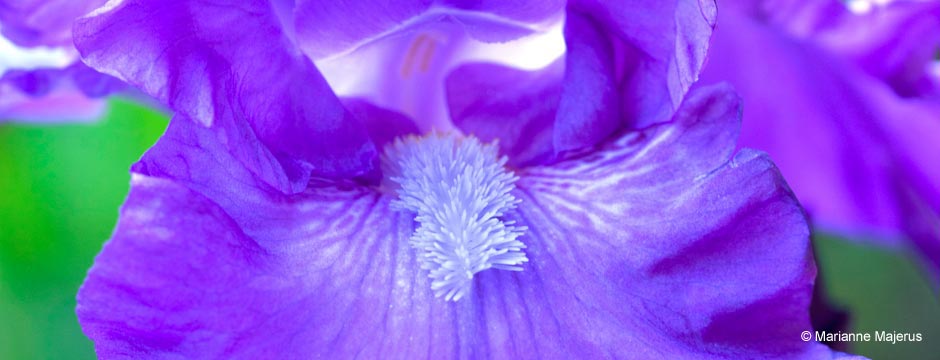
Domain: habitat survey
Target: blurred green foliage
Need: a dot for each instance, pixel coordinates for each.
(883, 291)
(62, 186)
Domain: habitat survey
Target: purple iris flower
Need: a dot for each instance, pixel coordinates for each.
(274, 219)
(847, 104)
(41, 77)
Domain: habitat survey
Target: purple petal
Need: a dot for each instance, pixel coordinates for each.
(384, 125)
(515, 107)
(35, 82)
(200, 287)
(234, 269)
(856, 154)
(41, 78)
(519, 10)
(660, 48)
(230, 67)
(665, 211)
(330, 27)
(896, 43)
(41, 81)
(588, 111)
(42, 22)
(404, 72)
(618, 74)
(909, 136)
(92, 83)
(61, 104)
(55, 94)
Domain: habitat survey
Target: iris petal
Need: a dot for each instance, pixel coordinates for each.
(384, 125)
(657, 60)
(515, 107)
(42, 77)
(251, 87)
(629, 250)
(330, 27)
(71, 93)
(588, 109)
(621, 71)
(855, 152)
(60, 104)
(895, 41)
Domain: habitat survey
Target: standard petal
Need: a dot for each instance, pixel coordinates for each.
(230, 67)
(855, 153)
(589, 106)
(514, 107)
(621, 71)
(384, 125)
(660, 48)
(519, 10)
(403, 72)
(329, 27)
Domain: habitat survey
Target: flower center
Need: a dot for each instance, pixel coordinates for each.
(459, 190)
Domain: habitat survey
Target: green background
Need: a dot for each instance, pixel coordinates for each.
(62, 186)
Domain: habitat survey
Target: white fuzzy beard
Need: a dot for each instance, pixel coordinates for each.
(458, 189)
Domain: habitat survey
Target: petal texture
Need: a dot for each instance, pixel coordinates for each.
(895, 41)
(329, 27)
(404, 71)
(514, 107)
(657, 59)
(232, 68)
(854, 151)
(664, 211)
(629, 249)
(588, 107)
(621, 70)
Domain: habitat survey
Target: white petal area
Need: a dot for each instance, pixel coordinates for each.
(405, 70)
